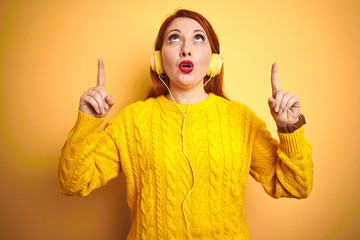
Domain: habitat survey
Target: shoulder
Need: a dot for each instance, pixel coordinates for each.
(237, 109)
(141, 105)
(138, 107)
(231, 105)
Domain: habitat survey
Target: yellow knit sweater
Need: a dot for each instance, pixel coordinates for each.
(224, 140)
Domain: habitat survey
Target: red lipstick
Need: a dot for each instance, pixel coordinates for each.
(186, 66)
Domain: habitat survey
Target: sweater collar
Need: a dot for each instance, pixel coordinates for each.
(172, 106)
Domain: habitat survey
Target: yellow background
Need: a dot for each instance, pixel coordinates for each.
(48, 58)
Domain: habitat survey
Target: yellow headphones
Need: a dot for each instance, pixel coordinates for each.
(214, 68)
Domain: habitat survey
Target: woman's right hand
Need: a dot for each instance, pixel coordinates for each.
(94, 102)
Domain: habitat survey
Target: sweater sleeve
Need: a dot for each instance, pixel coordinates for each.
(89, 159)
(284, 169)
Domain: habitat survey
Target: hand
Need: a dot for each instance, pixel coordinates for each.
(94, 102)
(284, 107)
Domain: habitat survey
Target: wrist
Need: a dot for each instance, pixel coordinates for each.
(289, 128)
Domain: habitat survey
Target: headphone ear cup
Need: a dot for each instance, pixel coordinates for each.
(215, 65)
(156, 62)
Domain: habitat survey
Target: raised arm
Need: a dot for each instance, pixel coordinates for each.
(89, 159)
(284, 169)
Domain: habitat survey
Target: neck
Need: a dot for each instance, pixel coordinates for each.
(185, 97)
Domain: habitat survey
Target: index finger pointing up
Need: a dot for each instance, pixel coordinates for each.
(274, 80)
(101, 74)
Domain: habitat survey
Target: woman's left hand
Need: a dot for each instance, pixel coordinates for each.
(284, 106)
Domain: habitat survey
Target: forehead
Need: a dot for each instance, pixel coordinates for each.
(184, 24)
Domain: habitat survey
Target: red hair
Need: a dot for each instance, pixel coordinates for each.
(215, 85)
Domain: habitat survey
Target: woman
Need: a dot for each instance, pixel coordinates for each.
(186, 151)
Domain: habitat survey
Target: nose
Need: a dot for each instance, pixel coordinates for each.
(185, 53)
(185, 50)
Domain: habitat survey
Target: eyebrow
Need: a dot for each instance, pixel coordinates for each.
(177, 30)
(174, 30)
(199, 30)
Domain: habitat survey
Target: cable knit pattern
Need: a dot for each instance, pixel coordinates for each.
(216, 158)
(225, 201)
(158, 177)
(224, 140)
(170, 176)
(186, 175)
(235, 204)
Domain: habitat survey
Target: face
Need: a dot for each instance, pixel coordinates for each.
(186, 54)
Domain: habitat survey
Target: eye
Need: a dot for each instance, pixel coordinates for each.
(199, 38)
(174, 38)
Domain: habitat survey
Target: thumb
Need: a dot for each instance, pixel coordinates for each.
(110, 100)
(271, 102)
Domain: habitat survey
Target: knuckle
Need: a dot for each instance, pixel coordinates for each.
(99, 99)
(97, 95)
(279, 93)
(90, 100)
(103, 93)
(91, 94)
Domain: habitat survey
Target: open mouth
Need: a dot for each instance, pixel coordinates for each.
(186, 66)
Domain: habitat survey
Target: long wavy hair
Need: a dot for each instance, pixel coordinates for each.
(216, 84)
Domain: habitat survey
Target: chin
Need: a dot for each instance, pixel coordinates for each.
(187, 85)
(187, 80)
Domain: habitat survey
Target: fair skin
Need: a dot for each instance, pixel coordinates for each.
(185, 39)
(95, 102)
(284, 106)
